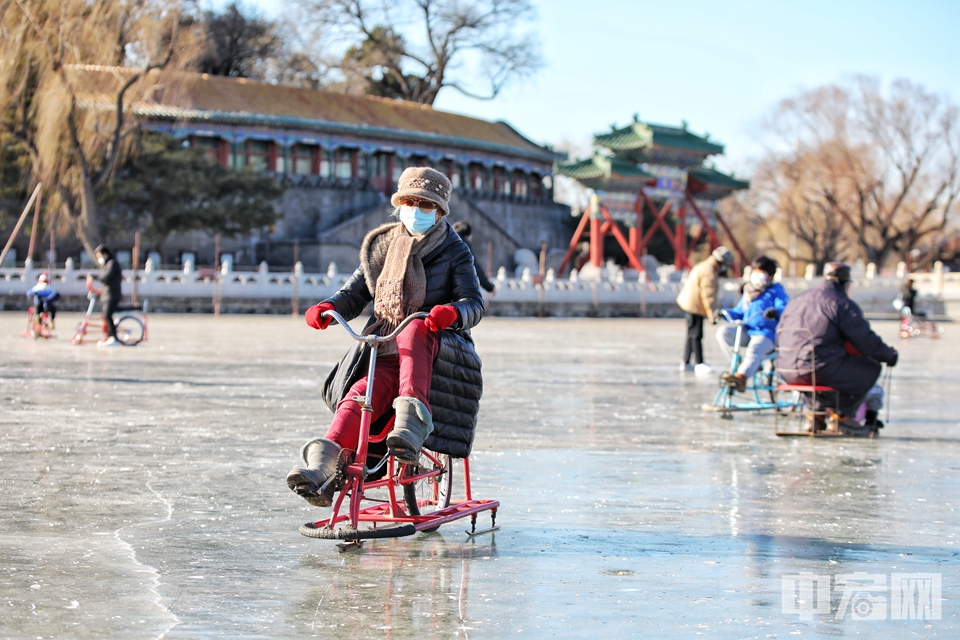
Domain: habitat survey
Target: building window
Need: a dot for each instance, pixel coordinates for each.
(398, 165)
(253, 154)
(448, 169)
(344, 161)
(379, 165)
(501, 181)
(302, 159)
(535, 185)
(362, 165)
(520, 183)
(477, 172)
(325, 164)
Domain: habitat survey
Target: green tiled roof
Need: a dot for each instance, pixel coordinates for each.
(599, 171)
(634, 137)
(714, 178)
(641, 137)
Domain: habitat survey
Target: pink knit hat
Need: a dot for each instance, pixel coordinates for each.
(424, 183)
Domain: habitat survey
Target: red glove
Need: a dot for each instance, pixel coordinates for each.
(441, 317)
(313, 317)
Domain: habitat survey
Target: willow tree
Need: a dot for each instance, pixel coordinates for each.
(73, 122)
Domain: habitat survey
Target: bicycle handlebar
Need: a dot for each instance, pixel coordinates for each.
(741, 321)
(374, 339)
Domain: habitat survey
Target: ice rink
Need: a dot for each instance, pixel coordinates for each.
(142, 495)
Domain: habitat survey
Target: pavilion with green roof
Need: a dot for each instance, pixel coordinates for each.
(656, 168)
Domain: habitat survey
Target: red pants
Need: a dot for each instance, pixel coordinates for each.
(407, 373)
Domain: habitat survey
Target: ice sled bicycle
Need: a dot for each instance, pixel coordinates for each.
(402, 499)
(39, 323)
(131, 323)
(918, 326)
(820, 422)
(809, 407)
(761, 389)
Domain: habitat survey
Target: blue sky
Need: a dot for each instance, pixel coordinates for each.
(721, 66)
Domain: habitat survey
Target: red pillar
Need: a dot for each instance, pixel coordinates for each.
(680, 250)
(596, 241)
(272, 157)
(223, 153)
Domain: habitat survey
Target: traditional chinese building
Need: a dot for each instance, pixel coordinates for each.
(656, 169)
(341, 155)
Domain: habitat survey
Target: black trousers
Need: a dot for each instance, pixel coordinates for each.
(108, 307)
(45, 305)
(851, 376)
(694, 344)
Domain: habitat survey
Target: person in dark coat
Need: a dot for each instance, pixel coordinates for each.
(825, 340)
(465, 232)
(908, 297)
(430, 375)
(111, 275)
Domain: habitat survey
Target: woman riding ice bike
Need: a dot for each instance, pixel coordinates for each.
(428, 373)
(405, 495)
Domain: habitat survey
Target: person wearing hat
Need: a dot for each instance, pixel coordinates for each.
(758, 311)
(44, 297)
(699, 301)
(824, 338)
(430, 375)
(111, 275)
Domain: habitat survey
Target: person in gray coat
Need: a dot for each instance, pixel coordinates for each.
(824, 339)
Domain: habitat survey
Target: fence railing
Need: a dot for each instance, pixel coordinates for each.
(266, 284)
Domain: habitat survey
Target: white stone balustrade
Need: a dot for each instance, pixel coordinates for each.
(178, 283)
(876, 292)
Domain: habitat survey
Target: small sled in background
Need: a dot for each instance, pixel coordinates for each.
(39, 324)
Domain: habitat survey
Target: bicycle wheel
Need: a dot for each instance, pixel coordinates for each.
(129, 331)
(434, 492)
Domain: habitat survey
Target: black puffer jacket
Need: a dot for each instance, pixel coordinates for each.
(111, 275)
(457, 383)
(816, 325)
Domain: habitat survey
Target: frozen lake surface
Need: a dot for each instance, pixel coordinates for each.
(142, 494)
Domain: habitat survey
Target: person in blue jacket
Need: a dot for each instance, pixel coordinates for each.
(758, 311)
(44, 297)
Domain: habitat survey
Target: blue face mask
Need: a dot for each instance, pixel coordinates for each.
(417, 222)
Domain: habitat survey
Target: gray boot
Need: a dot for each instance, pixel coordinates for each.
(411, 428)
(321, 457)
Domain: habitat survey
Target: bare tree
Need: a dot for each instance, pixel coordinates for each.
(888, 166)
(67, 100)
(472, 46)
(791, 186)
(239, 43)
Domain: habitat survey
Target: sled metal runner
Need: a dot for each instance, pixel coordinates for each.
(418, 496)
